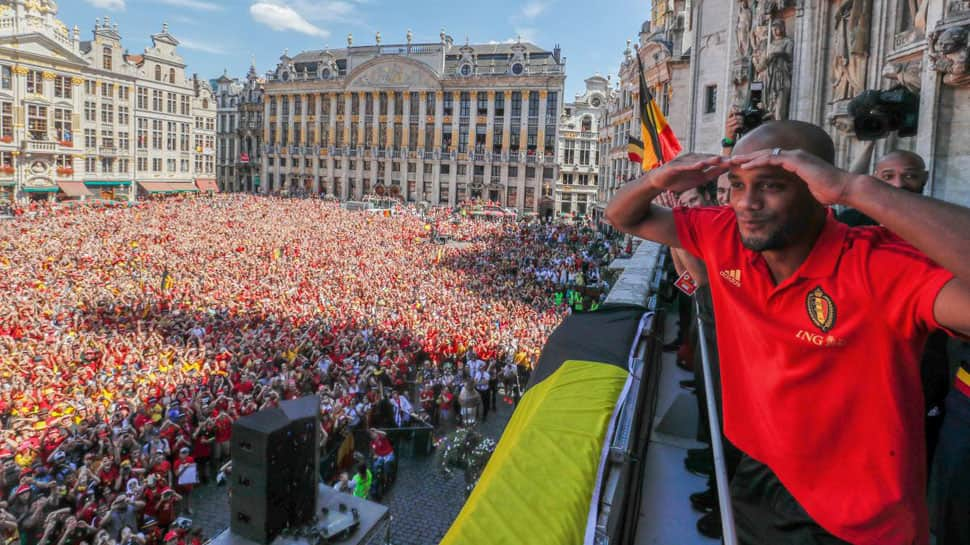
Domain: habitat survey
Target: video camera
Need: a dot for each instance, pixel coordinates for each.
(753, 113)
(877, 113)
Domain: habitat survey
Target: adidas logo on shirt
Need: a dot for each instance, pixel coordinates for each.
(733, 276)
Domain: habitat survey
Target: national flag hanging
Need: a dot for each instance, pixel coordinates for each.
(634, 149)
(659, 143)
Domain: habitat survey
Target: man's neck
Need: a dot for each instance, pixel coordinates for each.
(783, 262)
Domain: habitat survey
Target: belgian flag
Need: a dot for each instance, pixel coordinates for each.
(659, 143)
(542, 484)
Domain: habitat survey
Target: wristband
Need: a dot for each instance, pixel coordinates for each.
(727, 142)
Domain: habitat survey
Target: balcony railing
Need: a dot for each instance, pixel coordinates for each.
(39, 146)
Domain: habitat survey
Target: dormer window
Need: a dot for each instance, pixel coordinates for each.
(106, 58)
(465, 69)
(171, 75)
(158, 72)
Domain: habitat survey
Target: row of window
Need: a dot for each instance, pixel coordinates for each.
(61, 86)
(512, 171)
(285, 105)
(168, 102)
(356, 187)
(375, 135)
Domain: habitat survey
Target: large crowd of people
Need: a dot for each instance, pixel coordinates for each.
(132, 337)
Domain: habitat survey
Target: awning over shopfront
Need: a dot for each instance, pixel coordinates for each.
(74, 189)
(43, 189)
(107, 183)
(168, 187)
(207, 184)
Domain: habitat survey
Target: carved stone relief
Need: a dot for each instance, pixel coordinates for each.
(394, 74)
(764, 54)
(905, 73)
(950, 54)
(850, 48)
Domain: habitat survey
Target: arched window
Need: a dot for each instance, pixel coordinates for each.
(205, 104)
(106, 58)
(587, 123)
(171, 75)
(158, 73)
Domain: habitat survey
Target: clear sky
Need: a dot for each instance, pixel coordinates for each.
(225, 34)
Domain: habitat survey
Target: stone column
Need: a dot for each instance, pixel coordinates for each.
(389, 142)
(360, 118)
(264, 156)
(439, 109)
(507, 125)
(347, 119)
(375, 119)
(473, 119)
(405, 120)
(541, 127)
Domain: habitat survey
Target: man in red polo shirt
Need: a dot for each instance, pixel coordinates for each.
(820, 328)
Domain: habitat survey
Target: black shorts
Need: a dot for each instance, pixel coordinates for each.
(766, 513)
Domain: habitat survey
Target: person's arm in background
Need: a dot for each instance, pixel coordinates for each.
(632, 210)
(731, 132)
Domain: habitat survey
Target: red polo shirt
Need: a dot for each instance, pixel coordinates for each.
(820, 373)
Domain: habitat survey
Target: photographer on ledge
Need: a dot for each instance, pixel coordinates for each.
(821, 333)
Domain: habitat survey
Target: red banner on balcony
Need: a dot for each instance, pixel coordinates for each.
(244, 158)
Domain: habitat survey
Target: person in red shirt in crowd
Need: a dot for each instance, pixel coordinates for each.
(820, 329)
(184, 485)
(223, 425)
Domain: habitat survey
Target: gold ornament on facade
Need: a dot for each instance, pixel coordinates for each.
(543, 93)
(20, 70)
(49, 75)
(423, 95)
(77, 80)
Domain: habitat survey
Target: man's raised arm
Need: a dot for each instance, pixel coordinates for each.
(939, 229)
(632, 210)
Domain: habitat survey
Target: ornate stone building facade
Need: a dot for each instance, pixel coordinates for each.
(812, 58)
(239, 128)
(433, 122)
(84, 118)
(809, 58)
(578, 152)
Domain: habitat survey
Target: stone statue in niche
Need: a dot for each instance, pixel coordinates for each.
(917, 14)
(950, 54)
(744, 29)
(851, 48)
(774, 67)
(905, 73)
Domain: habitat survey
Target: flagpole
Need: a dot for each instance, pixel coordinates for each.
(720, 468)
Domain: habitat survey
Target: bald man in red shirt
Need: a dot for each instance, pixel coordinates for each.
(820, 328)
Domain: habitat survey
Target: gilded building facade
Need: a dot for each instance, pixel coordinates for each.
(83, 118)
(425, 122)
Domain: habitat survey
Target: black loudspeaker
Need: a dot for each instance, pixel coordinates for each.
(304, 456)
(274, 469)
